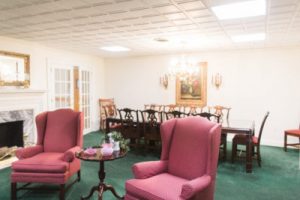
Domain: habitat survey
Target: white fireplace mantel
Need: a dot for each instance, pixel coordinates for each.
(23, 99)
(21, 91)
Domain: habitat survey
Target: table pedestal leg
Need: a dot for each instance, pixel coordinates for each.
(102, 187)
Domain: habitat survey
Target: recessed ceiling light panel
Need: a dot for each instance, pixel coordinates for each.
(115, 48)
(240, 9)
(161, 39)
(249, 37)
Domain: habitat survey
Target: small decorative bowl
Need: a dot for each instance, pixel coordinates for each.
(107, 149)
(90, 151)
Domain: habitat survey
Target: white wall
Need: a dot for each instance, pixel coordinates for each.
(254, 81)
(40, 56)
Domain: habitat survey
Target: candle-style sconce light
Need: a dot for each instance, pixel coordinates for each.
(216, 80)
(164, 81)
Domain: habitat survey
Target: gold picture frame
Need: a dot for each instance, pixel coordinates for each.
(192, 90)
(17, 64)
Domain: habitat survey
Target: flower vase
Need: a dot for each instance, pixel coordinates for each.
(116, 146)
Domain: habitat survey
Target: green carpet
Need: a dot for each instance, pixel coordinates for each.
(279, 177)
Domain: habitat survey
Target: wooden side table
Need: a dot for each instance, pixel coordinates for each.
(98, 157)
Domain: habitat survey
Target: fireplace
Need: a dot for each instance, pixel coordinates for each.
(11, 134)
(18, 104)
(14, 119)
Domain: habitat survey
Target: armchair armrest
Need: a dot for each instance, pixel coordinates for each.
(194, 186)
(28, 152)
(69, 155)
(147, 169)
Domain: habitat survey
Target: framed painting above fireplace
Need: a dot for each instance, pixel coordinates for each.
(14, 69)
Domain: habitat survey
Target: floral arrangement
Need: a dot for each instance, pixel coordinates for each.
(117, 137)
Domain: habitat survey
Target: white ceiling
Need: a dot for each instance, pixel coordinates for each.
(189, 25)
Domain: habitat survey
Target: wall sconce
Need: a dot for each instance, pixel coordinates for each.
(216, 80)
(164, 81)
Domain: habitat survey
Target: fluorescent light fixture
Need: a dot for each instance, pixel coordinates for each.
(240, 9)
(115, 48)
(249, 37)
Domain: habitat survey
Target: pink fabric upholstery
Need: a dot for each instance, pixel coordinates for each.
(60, 127)
(187, 170)
(148, 169)
(42, 163)
(52, 160)
(160, 187)
(28, 152)
(70, 154)
(194, 186)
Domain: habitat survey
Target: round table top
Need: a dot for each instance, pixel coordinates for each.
(98, 155)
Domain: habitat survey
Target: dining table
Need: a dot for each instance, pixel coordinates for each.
(229, 126)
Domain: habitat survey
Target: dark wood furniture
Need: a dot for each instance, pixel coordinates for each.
(241, 127)
(130, 126)
(174, 114)
(209, 116)
(291, 133)
(111, 111)
(151, 121)
(98, 157)
(242, 140)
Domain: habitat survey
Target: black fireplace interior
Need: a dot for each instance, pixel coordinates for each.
(11, 134)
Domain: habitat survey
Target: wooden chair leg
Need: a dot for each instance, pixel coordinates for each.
(258, 156)
(78, 176)
(233, 153)
(225, 150)
(285, 140)
(13, 191)
(62, 192)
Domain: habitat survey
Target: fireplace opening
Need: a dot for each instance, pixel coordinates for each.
(11, 134)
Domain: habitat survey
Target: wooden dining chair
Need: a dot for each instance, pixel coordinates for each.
(151, 120)
(130, 126)
(291, 133)
(111, 111)
(174, 114)
(242, 140)
(103, 114)
(209, 116)
(222, 111)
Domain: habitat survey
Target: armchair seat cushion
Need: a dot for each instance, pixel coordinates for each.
(45, 162)
(151, 188)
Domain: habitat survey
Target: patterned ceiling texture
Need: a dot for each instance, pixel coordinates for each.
(189, 25)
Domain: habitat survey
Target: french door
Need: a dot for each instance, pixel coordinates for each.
(85, 97)
(69, 87)
(63, 88)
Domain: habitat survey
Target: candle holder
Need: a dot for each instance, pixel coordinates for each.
(216, 80)
(164, 81)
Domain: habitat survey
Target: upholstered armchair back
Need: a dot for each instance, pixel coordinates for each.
(187, 144)
(59, 130)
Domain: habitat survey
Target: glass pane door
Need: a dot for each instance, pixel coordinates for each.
(85, 98)
(63, 88)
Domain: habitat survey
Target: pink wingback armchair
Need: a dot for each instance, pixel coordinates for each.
(52, 159)
(187, 167)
